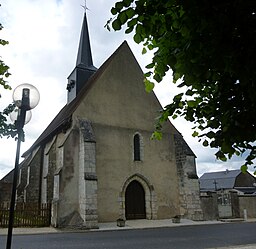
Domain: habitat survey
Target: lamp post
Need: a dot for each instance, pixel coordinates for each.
(25, 97)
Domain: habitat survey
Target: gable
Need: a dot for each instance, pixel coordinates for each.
(245, 180)
(118, 96)
(114, 95)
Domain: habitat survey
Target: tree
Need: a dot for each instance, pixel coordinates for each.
(210, 45)
(6, 129)
(3, 67)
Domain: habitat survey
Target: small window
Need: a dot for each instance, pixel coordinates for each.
(136, 147)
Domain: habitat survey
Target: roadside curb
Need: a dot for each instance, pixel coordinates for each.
(131, 224)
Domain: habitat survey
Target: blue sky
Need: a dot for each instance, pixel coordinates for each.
(44, 36)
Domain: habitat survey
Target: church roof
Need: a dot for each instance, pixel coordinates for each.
(64, 118)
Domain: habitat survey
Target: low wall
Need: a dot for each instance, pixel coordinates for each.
(247, 202)
(239, 203)
(209, 207)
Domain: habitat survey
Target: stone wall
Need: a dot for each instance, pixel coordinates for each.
(248, 203)
(67, 201)
(87, 175)
(6, 188)
(29, 184)
(239, 203)
(188, 180)
(5, 192)
(234, 204)
(50, 175)
(32, 188)
(49, 168)
(209, 206)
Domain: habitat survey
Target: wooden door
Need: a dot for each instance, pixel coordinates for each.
(135, 201)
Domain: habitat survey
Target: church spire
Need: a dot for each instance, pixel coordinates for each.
(84, 64)
(84, 55)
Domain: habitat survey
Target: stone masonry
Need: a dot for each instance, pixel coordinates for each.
(189, 185)
(87, 175)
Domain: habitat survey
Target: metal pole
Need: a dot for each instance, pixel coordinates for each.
(13, 198)
(20, 124)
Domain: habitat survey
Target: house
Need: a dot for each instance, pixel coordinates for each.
(228, 180)
(95, 162)
(227, 194)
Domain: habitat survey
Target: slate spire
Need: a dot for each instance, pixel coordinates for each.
(84, 65)
(84, 55)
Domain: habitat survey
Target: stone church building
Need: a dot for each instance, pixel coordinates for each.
(95, 162)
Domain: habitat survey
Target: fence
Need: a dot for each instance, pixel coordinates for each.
(26, 215)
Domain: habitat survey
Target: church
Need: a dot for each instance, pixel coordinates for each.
(96, 161)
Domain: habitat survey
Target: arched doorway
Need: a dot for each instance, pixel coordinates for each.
(135, 207)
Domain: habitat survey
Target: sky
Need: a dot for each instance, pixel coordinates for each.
(43, 40)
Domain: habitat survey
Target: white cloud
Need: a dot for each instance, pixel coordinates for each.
(44, 37)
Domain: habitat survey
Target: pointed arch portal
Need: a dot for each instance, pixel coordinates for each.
(137, 199)
(135, 207)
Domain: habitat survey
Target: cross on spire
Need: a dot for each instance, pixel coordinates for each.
(85, 6)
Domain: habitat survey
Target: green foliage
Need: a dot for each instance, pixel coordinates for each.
(149, 86)
(157, 135)
(3, 67)
(7, 129)
(211, 46)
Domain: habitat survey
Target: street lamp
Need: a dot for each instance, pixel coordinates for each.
(25, 97)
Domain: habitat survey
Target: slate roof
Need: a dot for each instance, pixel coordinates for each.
(218, 180)
(84, 55)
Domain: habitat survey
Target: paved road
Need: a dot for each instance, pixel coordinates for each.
(187, 237)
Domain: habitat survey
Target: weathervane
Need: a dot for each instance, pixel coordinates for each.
(85, 6)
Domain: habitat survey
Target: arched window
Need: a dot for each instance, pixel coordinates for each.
(136, 147)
